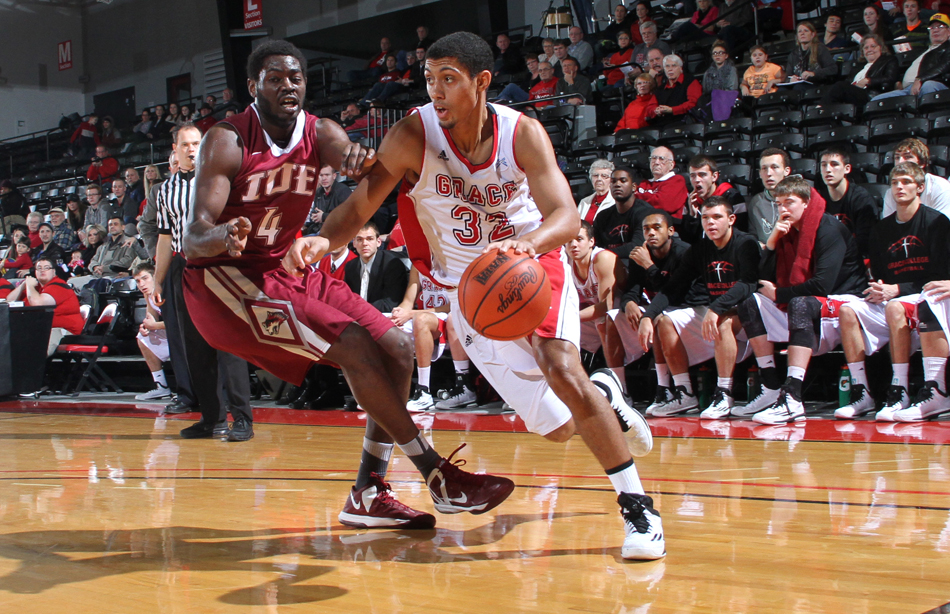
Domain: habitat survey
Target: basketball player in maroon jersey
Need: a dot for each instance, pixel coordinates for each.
(255, 181)
(486, 146)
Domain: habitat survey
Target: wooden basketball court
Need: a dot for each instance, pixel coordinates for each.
(104, 509)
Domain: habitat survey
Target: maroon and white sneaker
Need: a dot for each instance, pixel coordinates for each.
(374, 507)
(454, 491)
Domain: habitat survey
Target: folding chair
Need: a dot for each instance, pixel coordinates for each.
(74, 350)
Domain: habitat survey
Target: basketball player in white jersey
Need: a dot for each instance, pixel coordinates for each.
(479, 177)
(592, 271)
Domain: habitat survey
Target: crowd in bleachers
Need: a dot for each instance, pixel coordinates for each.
(690, 105)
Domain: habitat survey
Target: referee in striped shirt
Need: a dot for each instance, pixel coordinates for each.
(219, 380)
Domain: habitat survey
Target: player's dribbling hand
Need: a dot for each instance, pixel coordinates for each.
(236, 239)
(645, 333)
(520, 246)
(357, 160)
(938, 290)
(304, 252)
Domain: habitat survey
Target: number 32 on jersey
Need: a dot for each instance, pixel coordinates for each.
(471, 231)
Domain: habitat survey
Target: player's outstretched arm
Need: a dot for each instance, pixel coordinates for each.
(219, 160)
(399, 153)
(549, 188)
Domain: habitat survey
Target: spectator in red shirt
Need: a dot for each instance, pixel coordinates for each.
(85, 138)
(546, 87)
(20, 261)
(666, 190)
(636, 114)
(615, 75)
(33, 221)
(104, 167)
(47, 289)
(207, 120)
(5, 288)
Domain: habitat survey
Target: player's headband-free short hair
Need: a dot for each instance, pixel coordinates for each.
(916, 147)
(255, 62)
(371, 226)
(836, 151)
(665, 215)
(470, 50)
(774, 151)
(717, 201)
(143, 267)
(908, 169)
(793, 185)
(627, 169)
(700, 161)
(588, 228)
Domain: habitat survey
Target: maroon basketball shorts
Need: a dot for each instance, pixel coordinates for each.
(279, 322)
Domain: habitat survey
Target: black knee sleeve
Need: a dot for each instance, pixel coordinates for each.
(751, 318)
(927, 321)
(804, 320)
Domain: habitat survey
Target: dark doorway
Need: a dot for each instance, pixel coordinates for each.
(119, 104)
(178, 88)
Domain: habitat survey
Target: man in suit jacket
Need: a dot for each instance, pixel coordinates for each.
(378, 276)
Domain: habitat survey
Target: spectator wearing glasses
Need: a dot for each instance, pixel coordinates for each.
(665, 190)
(47, 289)
(930, 72)
(546, 87)
(574, 83)
(590, 206)
(579, 48)
(63, 234)
(640, 108)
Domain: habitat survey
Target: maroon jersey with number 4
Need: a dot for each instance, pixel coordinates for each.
(274, 189)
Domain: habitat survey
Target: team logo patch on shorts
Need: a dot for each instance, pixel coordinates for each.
(273, 321)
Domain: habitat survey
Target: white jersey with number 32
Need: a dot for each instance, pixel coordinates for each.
(462, 207)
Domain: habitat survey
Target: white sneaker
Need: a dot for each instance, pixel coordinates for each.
(420, 401)
(720, 407)
(928, 403)
(460, 397)
(786, 409)
(682, 403)
(635, 428)
(159, 392)
(897, 399)
(663, 396)
(766, 398)
(861, 403)
(643, 528)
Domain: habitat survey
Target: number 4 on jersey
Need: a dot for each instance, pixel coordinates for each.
(270, 226)
(471, 231)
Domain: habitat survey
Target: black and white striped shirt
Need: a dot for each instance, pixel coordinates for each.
(174, 205)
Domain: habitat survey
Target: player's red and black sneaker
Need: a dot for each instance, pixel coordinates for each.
(374, 506)
(455, 491)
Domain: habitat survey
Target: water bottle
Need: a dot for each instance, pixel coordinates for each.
(844, 387)
(752, 383)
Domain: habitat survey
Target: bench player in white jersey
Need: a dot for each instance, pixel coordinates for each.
(592, 271)
(429, 329)
(467, 167)
(152, 340)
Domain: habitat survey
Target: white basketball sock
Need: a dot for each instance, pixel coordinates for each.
(935, 371)
(725, 383)
(682, 380)
(626, 479)
(765, 362)
(662, 374)
(858, 375)
(901, 375)
(159, 378)
(424, 374)
(797, 372)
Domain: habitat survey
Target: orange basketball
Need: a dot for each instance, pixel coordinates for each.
(504, 296)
